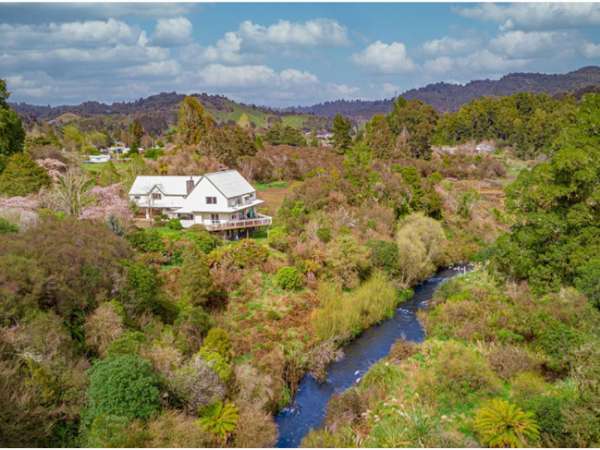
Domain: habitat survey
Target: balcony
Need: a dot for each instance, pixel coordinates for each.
(221, 225)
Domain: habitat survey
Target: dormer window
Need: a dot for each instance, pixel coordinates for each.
(211, 200)
(156, 196)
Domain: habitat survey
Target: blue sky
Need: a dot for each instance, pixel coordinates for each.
(282, 54)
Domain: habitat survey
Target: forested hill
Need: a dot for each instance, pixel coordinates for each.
(449, 97)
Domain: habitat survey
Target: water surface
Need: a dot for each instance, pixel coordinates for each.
(308, 408)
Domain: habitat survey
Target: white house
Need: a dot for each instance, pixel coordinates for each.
(220, 201)
(97, 159)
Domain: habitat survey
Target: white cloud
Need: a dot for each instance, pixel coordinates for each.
(385, 58)
(88, 33)
(311, 33)
(530, 43)
(226, 49)
(295, 77)
(537, 16)
(389, 89)
(172, 31)
(447, 46)
(480, 63)
(591, 50)
(245, 76)
(156, 69)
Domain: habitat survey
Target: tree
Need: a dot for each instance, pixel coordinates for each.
(22, 176)
(196, 282)
(416, 119)
(341, 133)
(379, 137)
(123, 386)
(280, 134)
(557, 229)
(136, 130)
(12, 134)
(228, 144)
(193, 122)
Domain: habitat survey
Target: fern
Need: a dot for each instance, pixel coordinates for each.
(503, 424)
(220, 419)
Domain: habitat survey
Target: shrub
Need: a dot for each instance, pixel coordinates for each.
(243, 254)
(347, 261)
(147, 241)
(174, 224)
(191, 324)
(220, 418)
(128, 343)
(289, 278)
(324, 234)
(195, 279)
(7, 227)
(102, 327)
(255, 429)
(173, 429)
(217, 340)
(278, 238)
(22, 176)
(385, 255)
(502, 424)
(341, 316)
(196, 385)
(124, 386)
(115, 432)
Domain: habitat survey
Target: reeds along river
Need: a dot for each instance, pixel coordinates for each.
(308, 408)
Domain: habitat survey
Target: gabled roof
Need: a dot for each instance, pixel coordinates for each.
(230, 183)
(168, 185)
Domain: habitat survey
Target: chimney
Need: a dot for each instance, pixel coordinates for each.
(189, 185)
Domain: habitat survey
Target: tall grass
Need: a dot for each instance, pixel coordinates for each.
(343, 315)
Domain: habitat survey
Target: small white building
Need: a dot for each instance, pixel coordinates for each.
(220, 201)
(97, 159)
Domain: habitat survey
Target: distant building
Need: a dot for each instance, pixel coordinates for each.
(220, 201)
(97, 159)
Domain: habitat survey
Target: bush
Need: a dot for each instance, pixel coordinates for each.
(347, 261)
(195, 279)
(501, 424)
(243, 254)
(341, 316)
(385, 256)
(7, 227)
(289, 278)
(147, 241)
(22, 176)
(103, 326)
(278, 238)
(128, 343)
(324, 234)
(124, 386)
(174, 224)
(115, 432)
(176, 430)
(196, 385)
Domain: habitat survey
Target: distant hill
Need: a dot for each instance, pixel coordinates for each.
(450, 97)
(158, 112)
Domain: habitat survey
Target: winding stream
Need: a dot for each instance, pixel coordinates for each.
(309, 406)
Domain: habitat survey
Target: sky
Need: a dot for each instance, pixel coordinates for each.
(282, 54)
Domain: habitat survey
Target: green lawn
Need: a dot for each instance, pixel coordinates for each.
(272, 184)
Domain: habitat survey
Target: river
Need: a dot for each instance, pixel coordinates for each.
(309, 405)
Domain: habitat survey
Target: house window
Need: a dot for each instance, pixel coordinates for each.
(214, 218)
(156, 196)
(211, 200)
(137, 197)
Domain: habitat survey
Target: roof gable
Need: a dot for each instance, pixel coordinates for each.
(168, 185)
(230, 183)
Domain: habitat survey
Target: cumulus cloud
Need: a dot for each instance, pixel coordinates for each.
(536, 16)
(482, 62)
(172, 31)
(88, 33)
(385, 58)
(591, 50)
(311, 33)
(447, 46)
(530, 43)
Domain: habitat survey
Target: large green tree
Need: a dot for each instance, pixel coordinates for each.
(12, 134)
(342, 127)
(22, 176)
(415, 121)
(556, 237)
(193, 122)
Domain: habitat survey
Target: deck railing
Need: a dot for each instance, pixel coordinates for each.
(220, 225)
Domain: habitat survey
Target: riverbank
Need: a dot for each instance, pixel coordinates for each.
(308, 408)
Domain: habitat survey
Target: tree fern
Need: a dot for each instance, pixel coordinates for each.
(219, 418)
(503, 424)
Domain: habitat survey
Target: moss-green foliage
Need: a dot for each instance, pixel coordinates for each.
(196, 282)
(414, 123)
(216, 351)
(529, 122)
(342, 139)
(148, 240)
(423, 196)
(385, 256)
(289, 278)
(193, 122)
(12, 134)
(502, 424)
(124, 386)
(242, 254)
(343, 315)
(278, 238)
(22, 176)
(7, 227)
(557, 231)
(280, 134)
(220, 418)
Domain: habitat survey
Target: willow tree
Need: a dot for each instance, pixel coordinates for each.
(193, 122)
